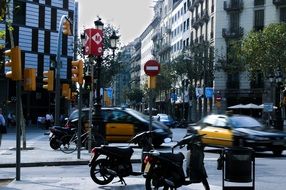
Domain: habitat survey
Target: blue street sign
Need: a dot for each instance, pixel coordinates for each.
(209, 91)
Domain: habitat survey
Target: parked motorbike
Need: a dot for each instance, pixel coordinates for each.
(56, 133)
(166, 169)
(116, 161)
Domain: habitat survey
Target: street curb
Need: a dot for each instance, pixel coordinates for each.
(59, 163)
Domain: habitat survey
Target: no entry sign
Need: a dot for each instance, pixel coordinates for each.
(152, 68)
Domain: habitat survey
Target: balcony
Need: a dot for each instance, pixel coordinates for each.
(233, 5)
(156, 35)
(279, 2)
(232, 33)
(194, 4)
(164, 48)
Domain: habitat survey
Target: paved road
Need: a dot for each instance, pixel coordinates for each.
(270, 171)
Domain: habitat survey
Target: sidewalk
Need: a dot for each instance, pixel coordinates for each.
(39, 153)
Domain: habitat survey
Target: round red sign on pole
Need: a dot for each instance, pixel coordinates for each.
(152, 68)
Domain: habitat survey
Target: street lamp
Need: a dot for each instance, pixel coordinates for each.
(277, 80)
(113, 42)
(98, 128)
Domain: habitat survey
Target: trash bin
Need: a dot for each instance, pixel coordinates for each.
(238, 166)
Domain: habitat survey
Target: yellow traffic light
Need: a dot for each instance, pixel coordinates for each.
(29, 79)
(77, 71)
(151, 82)
(48, 78)
(14, 63)
(65, 90)
(67, 27)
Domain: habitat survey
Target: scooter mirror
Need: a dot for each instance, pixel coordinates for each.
(167, 140)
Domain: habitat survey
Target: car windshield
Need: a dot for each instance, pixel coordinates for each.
(244, 122)
(137, 114)
(166, 117)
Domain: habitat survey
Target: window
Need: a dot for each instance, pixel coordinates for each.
(41, 16)
(47, 41)
(283, 14)
(258, 2)
(258, 20)
(234, 22)
(19, 12)
(54, 19)
(35, 40)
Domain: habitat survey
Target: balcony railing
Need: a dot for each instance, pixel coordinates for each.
(164, 48)
(232, 33)
(279, 2)
(194, 4)
(233, 5)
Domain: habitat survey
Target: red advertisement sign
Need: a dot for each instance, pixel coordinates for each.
(93, 42)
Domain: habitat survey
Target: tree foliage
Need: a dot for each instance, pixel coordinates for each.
(264, 51)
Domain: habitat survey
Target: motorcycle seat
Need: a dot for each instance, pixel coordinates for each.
(174, 157)
(119, 151)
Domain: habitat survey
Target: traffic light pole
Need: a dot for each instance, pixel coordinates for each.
(18, 130)
(57, 70)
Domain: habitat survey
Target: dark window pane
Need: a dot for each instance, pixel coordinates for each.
(19, 12)
(259, 2)
(41, 17)
(35, 37)
(54, 19)
(283, 14)
(258, 19)
(47, 42)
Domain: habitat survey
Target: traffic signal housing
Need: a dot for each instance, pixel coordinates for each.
(29, 79)
(48, 79)
(67, 27)
(77, 71)
(14, 63)
(66, 90)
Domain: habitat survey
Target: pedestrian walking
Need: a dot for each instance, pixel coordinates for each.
(3, 129)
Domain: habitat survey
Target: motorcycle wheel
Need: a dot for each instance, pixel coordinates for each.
(98, 172)
(149, 185)
(54, 144)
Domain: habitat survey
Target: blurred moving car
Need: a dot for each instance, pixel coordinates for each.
(239, 130)
(121, 124)
(166, 119)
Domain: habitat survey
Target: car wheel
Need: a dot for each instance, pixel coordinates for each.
(277, 152)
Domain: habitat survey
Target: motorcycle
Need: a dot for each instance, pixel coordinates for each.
(56, 133)
(108, 162)
(166, 169)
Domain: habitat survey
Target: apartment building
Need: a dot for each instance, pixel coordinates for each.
(35, 31)
(187, 23)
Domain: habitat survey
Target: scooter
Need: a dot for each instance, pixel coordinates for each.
(166, 169)
(56, 133)
(108, 162)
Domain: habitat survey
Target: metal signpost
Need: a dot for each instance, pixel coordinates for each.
(151, 68)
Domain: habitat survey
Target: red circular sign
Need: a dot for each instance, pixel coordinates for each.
(152, 68)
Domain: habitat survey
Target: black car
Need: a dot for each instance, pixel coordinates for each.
(239, 130)
(121, 124)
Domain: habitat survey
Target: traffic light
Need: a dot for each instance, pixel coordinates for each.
(151, 82)
(67, 27)
(14, 63)
(66, 90)
(77, 71)
(48, 78)
(29, 79)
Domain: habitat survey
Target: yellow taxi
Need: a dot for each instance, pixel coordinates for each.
(121, 124)
(238, 130)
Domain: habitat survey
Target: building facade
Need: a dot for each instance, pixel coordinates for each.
(35, 30)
